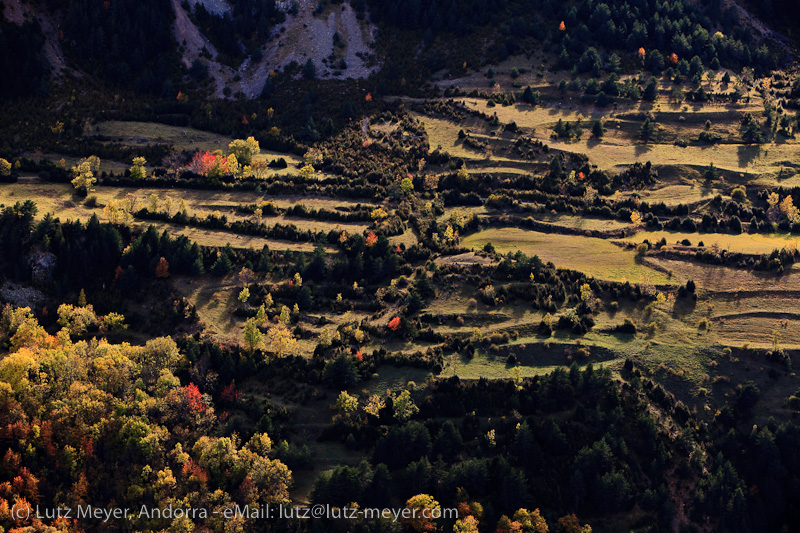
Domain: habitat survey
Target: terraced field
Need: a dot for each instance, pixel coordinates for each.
(596, 257)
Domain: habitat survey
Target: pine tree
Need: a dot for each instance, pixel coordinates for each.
(597, 129)
(648, 131)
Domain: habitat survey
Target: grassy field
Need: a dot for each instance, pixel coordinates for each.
(679, 194)
(584, 223)
(596, 257)
(57, 199)
(725, 279)
(744, 242)
(444, 133)
(145, 133)
(619, 148)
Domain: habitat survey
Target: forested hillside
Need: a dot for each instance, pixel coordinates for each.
(421, 266)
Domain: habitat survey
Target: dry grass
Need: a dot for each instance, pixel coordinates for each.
(724, 279)
(595, 257)
(745, 242)
(144, 133)
(57, 199)
(584, 223)
(679, 194)
(619, 148)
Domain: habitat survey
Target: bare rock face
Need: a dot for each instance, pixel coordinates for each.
(20, 295)
(42, 266)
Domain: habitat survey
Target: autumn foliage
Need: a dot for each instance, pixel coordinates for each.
(212, 166)
(162, 268)
(394, 324)
(194, 400)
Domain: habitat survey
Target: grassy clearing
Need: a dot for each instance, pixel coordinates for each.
(619, 148)
(58, 199)
(143, 133)
(757, 331)
(407, 237)
(744, 242)
(724, 279)
(444, 133)
(679, 194)
(595, 257)
(540, 359)
(205, 237)
(215, 300)
(106, 165)
(584, 223)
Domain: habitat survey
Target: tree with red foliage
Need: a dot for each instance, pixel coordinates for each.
(194, 400)
(230, 394)
(394, 324)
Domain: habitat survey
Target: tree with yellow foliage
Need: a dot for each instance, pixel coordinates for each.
(424, 510)
(252, 335)
(116, 211)
(789, 210)
(83, 174)
(285, 316)
(374, 405)
(138, 172)
(532, 522)
(5, 167)
(346, 406)
(468, 524)
(378, 214)
(307, 172)
(244, 150)
(281, 340)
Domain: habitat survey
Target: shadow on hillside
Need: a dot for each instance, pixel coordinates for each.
(683, 306)
(747, 154)
(594, 141)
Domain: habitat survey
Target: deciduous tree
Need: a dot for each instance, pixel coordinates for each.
(244, 150)
(423, 510)
(281, 340)
(138, 170)
(162, 268)
(252, 335)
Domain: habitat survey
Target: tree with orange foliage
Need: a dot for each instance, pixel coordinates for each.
(673, 58)
(641, 53)
(162, 268)
(562, 26)
(571, 524)
(371, 239)
(394, 324)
